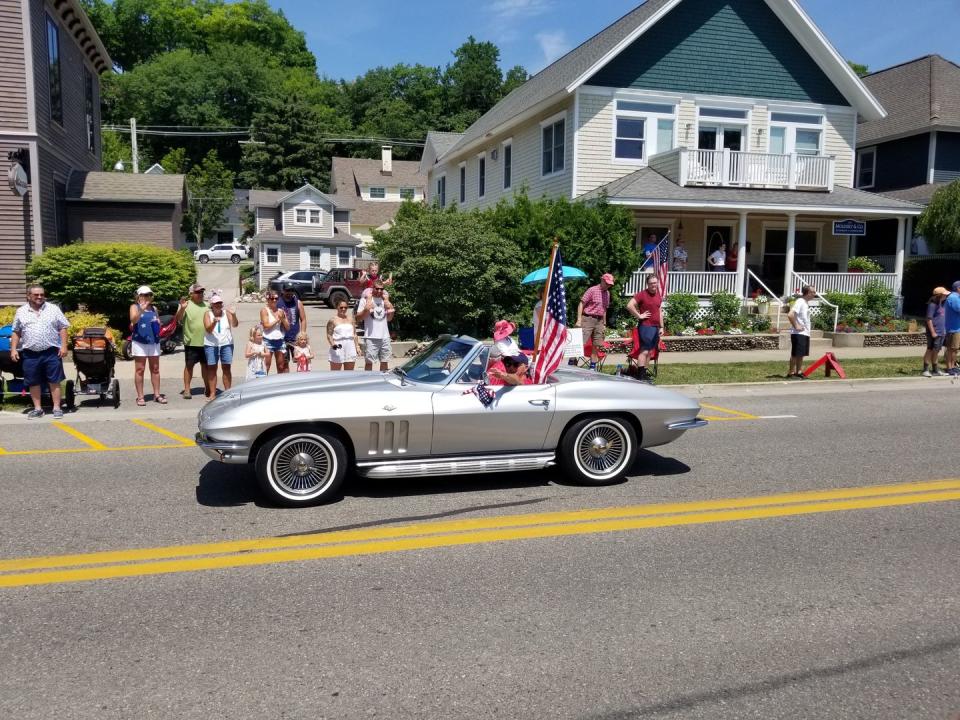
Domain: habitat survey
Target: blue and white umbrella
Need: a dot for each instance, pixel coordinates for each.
(539, 276)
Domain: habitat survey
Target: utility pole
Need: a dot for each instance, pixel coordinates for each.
(133, 145)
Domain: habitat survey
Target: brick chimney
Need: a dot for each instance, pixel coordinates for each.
(386, 154)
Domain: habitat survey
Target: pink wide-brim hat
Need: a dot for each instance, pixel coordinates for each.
(503, 329)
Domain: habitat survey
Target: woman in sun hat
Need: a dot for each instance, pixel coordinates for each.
(936, 331)
(145, 344)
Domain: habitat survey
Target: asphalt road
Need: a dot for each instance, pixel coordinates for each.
(733, 593)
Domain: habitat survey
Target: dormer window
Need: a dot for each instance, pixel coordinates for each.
(301, 216)
(308, 216)
(315, 217)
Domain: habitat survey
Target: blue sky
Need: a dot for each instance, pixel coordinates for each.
(348, 38)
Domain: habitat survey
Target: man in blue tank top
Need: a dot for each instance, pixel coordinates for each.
(290, 304)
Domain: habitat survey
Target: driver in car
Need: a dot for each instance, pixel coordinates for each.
(514, 371)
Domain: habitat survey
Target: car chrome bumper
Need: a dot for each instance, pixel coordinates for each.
(687, 424)
(235, 453)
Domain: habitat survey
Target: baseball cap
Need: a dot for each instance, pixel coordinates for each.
(519, 359)
(197, 287)
(214, 299)
(940, 291)
(144, 290)
(956, 285)
(608, 279)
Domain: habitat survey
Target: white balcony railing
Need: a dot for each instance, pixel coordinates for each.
(847, 282)
(701, 284)
(728, 168)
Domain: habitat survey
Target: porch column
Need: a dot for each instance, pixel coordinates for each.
(788, 256)
(742, 256)
(898, 261)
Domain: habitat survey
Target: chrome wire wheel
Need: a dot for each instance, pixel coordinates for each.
(602, 449)
(302, 466)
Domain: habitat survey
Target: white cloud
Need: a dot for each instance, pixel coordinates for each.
(504, 9)
(553, 44)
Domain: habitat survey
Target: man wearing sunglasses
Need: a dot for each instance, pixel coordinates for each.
(376, 312)
(42, 330)
(190, 315)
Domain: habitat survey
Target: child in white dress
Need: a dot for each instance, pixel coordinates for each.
(255, 354)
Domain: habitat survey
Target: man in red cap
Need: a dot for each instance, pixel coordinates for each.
(592, 315)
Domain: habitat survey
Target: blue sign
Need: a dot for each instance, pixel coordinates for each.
(849, 227)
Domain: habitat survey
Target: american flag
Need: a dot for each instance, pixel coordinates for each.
(483, 393)
(553, 336)
(660, 261)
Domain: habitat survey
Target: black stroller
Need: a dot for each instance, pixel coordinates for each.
(94, 356)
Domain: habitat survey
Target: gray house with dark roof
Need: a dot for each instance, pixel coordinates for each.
(913, 151)
(301, 230)
(377, 189)
(725, 122)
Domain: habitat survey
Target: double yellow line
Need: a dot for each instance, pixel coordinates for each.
(20, 572)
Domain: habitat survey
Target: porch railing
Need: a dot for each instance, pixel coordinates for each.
(888, 262)
(770, 294)
(801, 280)
(701, 284)
(849, 282)
(743, 169)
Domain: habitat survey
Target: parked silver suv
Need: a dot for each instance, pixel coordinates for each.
(234, 252)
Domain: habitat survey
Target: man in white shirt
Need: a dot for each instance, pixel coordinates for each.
(799, 317)
(718, 258)
(376, 312)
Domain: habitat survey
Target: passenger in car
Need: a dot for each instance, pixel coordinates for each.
(514, 371)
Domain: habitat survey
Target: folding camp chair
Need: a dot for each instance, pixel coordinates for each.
(584, 360)
(653, 360)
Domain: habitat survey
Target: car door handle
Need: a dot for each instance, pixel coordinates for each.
(539, 403)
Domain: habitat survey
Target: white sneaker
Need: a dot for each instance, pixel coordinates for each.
(926, 373)
(937, 373)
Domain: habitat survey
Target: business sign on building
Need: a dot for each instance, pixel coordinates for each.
(17, 177)
(849, 227)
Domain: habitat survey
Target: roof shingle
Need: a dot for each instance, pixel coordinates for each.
(125, 187)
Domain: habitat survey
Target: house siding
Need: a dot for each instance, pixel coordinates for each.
(947, 161)
(134, 223)
(14, 113)
(721, 47)
(902, 163)
(323, 230)
(16, 238)
(525, 165)
(267, 219)
(341, 221)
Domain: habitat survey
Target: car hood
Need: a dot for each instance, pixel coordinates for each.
(294, 383)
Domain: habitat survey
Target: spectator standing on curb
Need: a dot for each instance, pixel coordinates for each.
(255, 354)
(376, 312)
(274, 323)
(218, 343)
(593, 306)
(145, 344)
(645, 306)
(952, 326)
(292, 307)
(342, 339)
(190, 316)
(799, 317)
(39, 337)
(936, 330)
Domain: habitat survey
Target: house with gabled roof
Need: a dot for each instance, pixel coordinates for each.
(377, 189)
(913, 151)
(719, 121)
(301, 230)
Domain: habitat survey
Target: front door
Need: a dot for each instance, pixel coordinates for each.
(720, 137)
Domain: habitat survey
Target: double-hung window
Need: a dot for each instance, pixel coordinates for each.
(642, 129)
(482, 176)
(463, 183)
(53, 71)
(88, 110)
(301, 216)
(315, 217)
(442, 190)
(799, 133)
(552, 139)
(507, 165)
(378, 193)
(866, 167)
(407, 193)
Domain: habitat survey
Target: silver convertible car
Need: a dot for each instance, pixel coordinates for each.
(433, 416)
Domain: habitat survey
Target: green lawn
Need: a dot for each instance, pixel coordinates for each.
(708, 374)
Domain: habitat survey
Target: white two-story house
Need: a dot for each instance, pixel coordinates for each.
(301, 230)
(719, 121)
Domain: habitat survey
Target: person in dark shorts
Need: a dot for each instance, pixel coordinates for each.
(645, 306)
(799, 317)
(39, 338)
(190, 316)
(936, 328)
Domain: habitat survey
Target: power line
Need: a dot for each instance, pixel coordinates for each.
(145, 130)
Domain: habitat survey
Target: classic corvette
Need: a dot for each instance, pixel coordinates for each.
(435, 416)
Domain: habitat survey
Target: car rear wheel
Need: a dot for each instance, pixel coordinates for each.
(337, 297)
(598, 451)
(301, 467)
(204, 259)
(234, 259)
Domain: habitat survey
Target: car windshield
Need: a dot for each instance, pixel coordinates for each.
(439, 361)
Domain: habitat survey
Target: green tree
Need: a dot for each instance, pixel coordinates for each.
(940, 221)
(175, 161)
(288, 152)
(474, 80)
(515, 77)
(858, 68)
(209, 194)
(115, 147)
(452, 272)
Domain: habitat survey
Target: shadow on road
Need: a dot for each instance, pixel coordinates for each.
(222, 485)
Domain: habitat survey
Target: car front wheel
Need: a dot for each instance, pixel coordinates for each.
(301, 467)
(598, 451)
(204, 259)
(234, 259)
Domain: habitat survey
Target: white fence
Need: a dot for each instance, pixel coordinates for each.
(701, 284)
(741, 169)
(848, 282)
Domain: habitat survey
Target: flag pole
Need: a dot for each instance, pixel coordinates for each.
(543, 299)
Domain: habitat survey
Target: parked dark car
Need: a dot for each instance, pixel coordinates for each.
(341, 284)
(305, 282)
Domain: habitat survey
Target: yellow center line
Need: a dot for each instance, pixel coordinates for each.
(166, 433)
(458, 526)
(85, 439)
(745, 416)
(375, 547)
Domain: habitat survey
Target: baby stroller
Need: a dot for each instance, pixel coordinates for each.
(15, 386)
(94, 357)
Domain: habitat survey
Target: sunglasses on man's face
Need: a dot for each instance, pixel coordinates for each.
(342, 307)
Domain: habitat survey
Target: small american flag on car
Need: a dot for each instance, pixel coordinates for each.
(483, 393)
